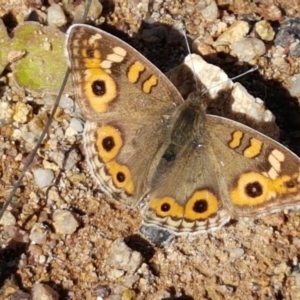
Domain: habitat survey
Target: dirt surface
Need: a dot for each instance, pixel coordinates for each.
(99, 252)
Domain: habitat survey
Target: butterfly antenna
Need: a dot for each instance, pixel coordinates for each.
(232, 78)
(206, 90)
(43, 134)
(190, 52)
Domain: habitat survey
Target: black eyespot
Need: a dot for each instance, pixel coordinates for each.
(121, 177)
(98, 87)
(200, 206)
(254, 189)
(108, 143)
(165, 207)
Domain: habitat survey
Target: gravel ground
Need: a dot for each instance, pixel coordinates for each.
(62, 238)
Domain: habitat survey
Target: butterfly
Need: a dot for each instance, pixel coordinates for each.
(143, 142)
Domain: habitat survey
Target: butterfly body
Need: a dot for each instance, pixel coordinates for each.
(143, 141)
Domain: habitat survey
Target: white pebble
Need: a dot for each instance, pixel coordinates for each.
(43, 177)
(295, 85)
(76, 124)
(247, 49)
(56, 16)
(41, 291)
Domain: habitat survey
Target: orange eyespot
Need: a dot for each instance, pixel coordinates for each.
(201, 205)
(166, 207)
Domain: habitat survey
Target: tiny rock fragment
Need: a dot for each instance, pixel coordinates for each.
(8, 219)
(42, 291)
(64, 222)
(76, 124)
(123, 258)
(21, 112)
(264, 30)
(43, 177)
(56, 16)
(95, 9)
(294, 88)
(248, 49)
(236, 253)
(208, 9)
(38, 234)
(234, 33)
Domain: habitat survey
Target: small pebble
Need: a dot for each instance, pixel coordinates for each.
(38, 234)
(8, 219)
(247, 49)
(42, 291)
(264, 30)
(66, 102)
(56, 16)
(21, 112)
(64, 222)
(295, 85)
(234, 33)
(95, 9)
(237, 253)
(76, 124)
(123, 258)
(43, 177)
(208, 9)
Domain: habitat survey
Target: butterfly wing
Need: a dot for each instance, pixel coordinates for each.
(227, 170)
(126, 102)
(262, 176)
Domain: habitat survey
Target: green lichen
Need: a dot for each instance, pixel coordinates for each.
(44, 65)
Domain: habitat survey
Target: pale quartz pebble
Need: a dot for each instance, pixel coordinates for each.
(79, 10)
(95, 9)
(248, 49)
(64, 222)
(21, 112)
(123, 258)
(70, 131)
(264, 30)
(41, 291)
(66, 162)
(76, 124)
(246, 103)
(38, 234)
(66, 102)
(234, 33)
(236, 253)
(56, 16)
(294, 88)
(208, 10)
(43, 177)
(8, 219)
